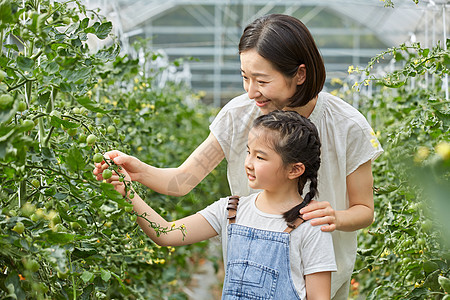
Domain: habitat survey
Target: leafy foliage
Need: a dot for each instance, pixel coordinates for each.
(405, 252)
(60, 104)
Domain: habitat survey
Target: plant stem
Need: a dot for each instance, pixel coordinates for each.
(74, 287)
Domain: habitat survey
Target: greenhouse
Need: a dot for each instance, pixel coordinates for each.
(224, 149)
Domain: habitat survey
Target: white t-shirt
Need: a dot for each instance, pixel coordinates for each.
(310, 249)
(347, 141)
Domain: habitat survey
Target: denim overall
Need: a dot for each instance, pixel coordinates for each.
(258, 265)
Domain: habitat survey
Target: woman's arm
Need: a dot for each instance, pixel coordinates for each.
(361, 208)
(195, 227)
(318, 286)
(170, 181)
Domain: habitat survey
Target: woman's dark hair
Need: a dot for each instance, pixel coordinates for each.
(287, 43)
(295, 139)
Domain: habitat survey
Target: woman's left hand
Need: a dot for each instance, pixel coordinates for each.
(320, 213)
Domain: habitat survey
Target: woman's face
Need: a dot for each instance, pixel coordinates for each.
(268, 87)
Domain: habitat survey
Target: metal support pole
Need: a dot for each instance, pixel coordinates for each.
(217, 54)
(445, 79)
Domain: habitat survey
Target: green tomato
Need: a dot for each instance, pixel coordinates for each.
(111, 129)
(2, 76)
(82, 138)
(420, 242)
(12, 213)
(5, 101)
(56, 113)
(128, 208)
(22, 106)
(83, 110)
(56, 219)
(91, 139)
(445, 283)
(35, 182)
(75, 225)
(98, 158)
(40, 213)
(31, 265)
(34, 217)
(107, 174)
(72, 131)
(59, 228)
(116, 121)
(19, 227)
(76, 110)
(27, 125)
(28, 209)
(99, 115)
(426, 225)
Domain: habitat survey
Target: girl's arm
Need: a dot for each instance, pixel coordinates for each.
(318, 286)
(170, 181)
(195, 226)
(361, 208)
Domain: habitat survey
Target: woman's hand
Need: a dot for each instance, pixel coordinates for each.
(320, 213)
(130, 164)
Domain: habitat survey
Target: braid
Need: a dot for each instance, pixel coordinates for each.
(296, 140)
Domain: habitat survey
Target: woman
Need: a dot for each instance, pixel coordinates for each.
(282, 68)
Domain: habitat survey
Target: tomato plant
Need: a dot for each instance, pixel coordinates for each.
(406, 250)
(78, 103)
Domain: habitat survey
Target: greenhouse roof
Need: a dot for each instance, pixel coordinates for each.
(346, 31)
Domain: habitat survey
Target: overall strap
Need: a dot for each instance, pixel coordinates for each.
(291, 226)
(233, 202)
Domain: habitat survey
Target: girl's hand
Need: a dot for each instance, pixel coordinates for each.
(320, 213)
(130, 164)
(119, 181)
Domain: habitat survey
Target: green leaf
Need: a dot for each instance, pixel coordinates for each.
(77, 76)
(56, 122)
(50, 67)
(106, 275)
(6, 13)
(87, 276)
(91, 105)
(103, 30)
(58, 238)
(75, 160)
(110, 192)
(83, 252)
(11, 46)
(84, 23)
(25, 63)
(119, 280)
(43, 98)
(87, 291)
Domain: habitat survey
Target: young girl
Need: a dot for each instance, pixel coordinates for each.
(266, 255)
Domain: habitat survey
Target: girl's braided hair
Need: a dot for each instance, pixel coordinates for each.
(296, 140)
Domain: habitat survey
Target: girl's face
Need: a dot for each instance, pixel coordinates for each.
(270, 89)
(264, 167)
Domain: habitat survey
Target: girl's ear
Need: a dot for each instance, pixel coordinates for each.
(301, 74)
(296, 171)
